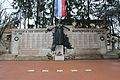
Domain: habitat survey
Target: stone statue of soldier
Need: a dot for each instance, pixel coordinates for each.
(58, 36)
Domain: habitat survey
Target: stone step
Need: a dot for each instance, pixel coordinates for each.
(38, 57)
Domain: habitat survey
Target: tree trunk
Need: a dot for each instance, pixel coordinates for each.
(37, 17)
(52, 18)
(88, 9)
(113, 43)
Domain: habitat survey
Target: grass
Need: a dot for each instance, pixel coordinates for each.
(118, 53)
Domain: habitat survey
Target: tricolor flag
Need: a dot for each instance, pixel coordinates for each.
(59, 8)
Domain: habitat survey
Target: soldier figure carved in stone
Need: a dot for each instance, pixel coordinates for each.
(58, 36)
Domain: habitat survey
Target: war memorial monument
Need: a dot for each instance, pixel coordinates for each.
(40, 42)
(59, 39)
(64, 38)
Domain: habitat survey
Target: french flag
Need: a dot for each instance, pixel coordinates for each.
(59, 8)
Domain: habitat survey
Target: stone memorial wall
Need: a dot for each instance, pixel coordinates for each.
(88, 41)
(37, 42)
(32, 42)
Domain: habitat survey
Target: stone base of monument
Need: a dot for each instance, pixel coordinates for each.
(59, 57)
(59, 52)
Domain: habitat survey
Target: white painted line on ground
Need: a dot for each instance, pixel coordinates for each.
(74, 70)
(88, 70)
(45, 70)
(59, 70)
(31, 70)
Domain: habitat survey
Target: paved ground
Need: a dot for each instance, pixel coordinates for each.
(60, 70)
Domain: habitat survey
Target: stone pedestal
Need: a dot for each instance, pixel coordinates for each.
(59, 52)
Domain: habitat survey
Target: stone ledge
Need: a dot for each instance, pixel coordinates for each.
(22, 57)
(74, 57)
(7, 57)
(88, 56)
(110, 56)
(97, 56)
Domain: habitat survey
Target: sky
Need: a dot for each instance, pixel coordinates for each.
(7, 4)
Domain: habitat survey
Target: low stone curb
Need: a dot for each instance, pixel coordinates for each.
(7, 57)
(89, 56)
(110, 56)
(97, 56)
(22, 57)
(80, 57)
